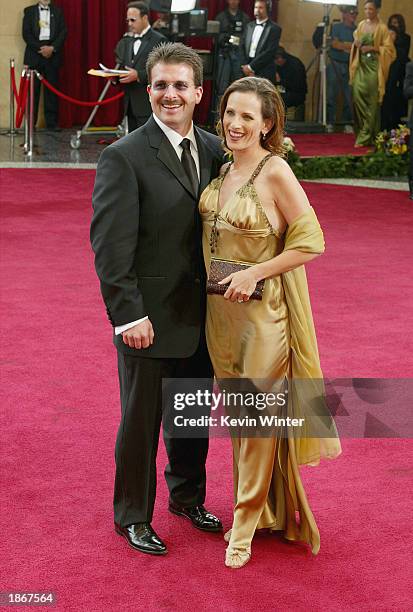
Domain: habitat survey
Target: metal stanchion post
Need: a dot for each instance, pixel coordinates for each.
(12, 128)
(26, 144)
(31, 112)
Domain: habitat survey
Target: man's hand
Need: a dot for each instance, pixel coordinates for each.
(139, 336)
(247, 70)
(131, 77)
(46, 51)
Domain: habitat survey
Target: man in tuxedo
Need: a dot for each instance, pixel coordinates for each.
(408, 93)
(146, 235)
(44, 32)
(260, 40)
(131, 53)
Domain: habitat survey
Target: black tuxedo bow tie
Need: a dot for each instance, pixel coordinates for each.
(44, 8)
(262, 25)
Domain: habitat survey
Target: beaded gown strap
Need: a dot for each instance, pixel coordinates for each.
(257, 200)
(224, 174)
(260, 167)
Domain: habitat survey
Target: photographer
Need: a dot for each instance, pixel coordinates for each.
(338, 68)
(232, 24)
(290, 78)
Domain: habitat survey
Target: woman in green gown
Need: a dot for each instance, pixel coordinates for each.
(372, 53)
(257, 212)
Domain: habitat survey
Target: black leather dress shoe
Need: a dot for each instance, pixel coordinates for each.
(199, 517)
(142, 537)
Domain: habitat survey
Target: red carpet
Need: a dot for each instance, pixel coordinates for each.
(60, 411)
(314, 145)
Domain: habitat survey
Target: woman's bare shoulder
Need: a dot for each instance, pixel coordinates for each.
(278, 168)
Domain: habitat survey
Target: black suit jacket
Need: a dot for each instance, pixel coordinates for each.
(294, 79)
(31, 32)
(263, 62)
(146, 235)
(135, 93)
(408, 89)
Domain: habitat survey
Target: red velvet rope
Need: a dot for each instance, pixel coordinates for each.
(22, 101)
(80, 102)
(22, 85)
(13, 82)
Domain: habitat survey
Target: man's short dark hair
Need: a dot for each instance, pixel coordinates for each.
(140, 6)
(346, 8)
(175, 53)
(268, 4)
(281, 52)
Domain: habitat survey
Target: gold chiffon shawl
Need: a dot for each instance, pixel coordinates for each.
(307, 387)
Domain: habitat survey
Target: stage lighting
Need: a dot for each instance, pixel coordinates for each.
(172, 6)
(182, 6)
(342, 2)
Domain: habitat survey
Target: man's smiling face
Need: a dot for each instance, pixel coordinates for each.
(173, 95)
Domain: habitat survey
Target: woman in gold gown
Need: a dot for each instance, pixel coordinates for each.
(257, 212)
(371, 55)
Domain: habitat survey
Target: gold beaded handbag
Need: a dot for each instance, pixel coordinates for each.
(221, 268)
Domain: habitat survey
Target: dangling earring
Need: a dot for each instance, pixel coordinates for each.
(264, 134)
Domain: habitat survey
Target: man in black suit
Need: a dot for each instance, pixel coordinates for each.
(290, 77)
(408, 93)
(131, 53)
(259, 43)
(146, 235)
(44, 32)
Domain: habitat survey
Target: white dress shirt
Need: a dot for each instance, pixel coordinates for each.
(138, 41)
(44, 22)
(175, 139)
(256, 35)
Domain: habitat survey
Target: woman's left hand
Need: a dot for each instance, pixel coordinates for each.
(242, 285)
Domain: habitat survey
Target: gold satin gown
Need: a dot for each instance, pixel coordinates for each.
(259, 340)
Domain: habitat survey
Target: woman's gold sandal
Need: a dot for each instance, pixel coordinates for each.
(236, 558)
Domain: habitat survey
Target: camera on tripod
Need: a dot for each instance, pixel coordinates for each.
(233, 38)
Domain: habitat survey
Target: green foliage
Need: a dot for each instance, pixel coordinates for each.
(370, 166)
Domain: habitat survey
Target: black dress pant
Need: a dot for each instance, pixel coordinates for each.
(137, 440)
(50, 70)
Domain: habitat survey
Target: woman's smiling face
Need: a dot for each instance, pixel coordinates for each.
(370, 10)
(243, 122)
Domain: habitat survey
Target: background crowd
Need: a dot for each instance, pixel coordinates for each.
(365, 70)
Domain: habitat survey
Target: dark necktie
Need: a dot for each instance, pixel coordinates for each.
(188, 163)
